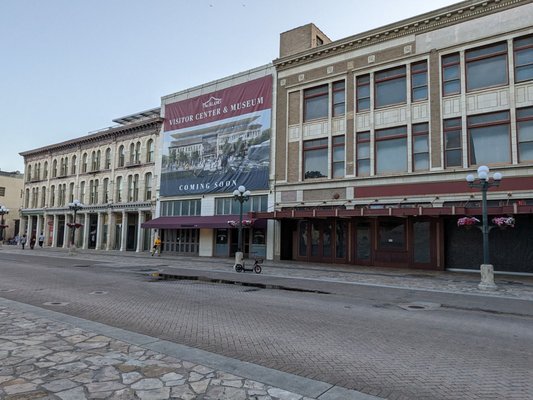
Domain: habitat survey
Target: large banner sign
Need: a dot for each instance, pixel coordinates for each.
(215, 142)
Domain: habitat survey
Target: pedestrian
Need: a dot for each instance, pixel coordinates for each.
(23, 241)
(32, 242)
(41, 240)
(157, 246)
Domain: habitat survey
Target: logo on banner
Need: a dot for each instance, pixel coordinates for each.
(213, 101)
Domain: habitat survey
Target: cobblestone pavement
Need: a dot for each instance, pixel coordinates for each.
(41, 359)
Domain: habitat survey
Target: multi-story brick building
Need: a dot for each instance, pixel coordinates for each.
(111, 172)
(375, 134)
(11, 189)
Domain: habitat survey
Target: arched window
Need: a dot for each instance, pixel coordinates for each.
(98, 158)
(54, 169)
(107, 164)
(105, 191)
(118, 185)
(150, 151)
(148, 186)
(71, 192)
(136, 187)
(130, 189)
(84, 163)
(38, 171)
(137, 153)
(43, 197)
(132, 153)
(45, 171)
(52, 196)
(73, 165)
(27, 199)
(82, 192)
(121, 156)
(28, 176)
(64, 167)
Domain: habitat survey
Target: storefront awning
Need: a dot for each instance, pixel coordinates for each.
(204, 221)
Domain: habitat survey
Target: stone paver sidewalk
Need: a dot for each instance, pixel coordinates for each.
(45, 359)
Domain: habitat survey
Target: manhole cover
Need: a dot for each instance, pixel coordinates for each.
(7, 290)
(55, 303)
(419, 306)
(98, 292)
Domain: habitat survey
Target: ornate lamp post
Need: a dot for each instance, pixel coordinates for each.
(484, 182)
(3, 211)
(241, 195)
(75, 206)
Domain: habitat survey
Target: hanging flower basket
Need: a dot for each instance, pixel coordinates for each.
(76, 225)
(467, 222)
(235, 223)
(503, 222)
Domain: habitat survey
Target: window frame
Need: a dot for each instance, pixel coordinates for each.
(415, 73)
(319, 146)
(363, 138)
(414, 135)
(528, 118)
(381, 78)
(487, 56)
(445, 65)
(519, 49)
(337, 142)
(448, 129)
(470, 126)
(322, 95)
(391, 137)
(337, 88)
(362, 81)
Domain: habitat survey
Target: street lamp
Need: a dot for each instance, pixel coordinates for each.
(484, 182)
(75, 206)
(3, 211)
(241, 195)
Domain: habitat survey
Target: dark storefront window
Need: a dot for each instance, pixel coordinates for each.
(340, 239)
(363, 241)
(302, 242)
(422, 244)
(392, 235)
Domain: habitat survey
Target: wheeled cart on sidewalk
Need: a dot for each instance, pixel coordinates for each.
(240, 267)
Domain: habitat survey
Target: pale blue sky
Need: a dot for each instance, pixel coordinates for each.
(69, 67)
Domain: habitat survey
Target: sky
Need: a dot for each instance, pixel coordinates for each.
(69, 67)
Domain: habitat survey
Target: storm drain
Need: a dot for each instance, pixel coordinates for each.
(419, 306)
(55, 303)
(98, 292)
(7, 290)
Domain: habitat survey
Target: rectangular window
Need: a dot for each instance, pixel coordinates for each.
(316, 158)
(524, 122)
(419, 81)
(391, 150)
(453, 142)
(2, 191)
(338, 156)
(392, 235)
(451, 74)
(339, 99)
(486, 66)
(363, 153)
(420, 133)
(316, 103)
(228, 205)
(523, 59)
(390, 87)
(489, 138)
(181, 207)
(363, 93)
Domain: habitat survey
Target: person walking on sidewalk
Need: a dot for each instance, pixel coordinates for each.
(23, 241)
(157, 246)
(32, 242)
(41, 240)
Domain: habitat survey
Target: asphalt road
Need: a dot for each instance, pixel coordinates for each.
(361, 340)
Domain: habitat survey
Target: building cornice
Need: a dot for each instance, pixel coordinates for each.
(451, 15)
(106, 134)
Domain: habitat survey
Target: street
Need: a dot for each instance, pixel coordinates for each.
(391, 343)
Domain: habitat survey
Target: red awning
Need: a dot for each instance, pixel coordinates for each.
(204, 221)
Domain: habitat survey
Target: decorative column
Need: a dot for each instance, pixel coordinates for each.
(110, 230)
(140, 232)
(55, 227)
(124, 231)
(23, 224)
(66, 230)
(30, 227)
(85, 243)
(39, 227)
(98, 245)
(46, 230)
